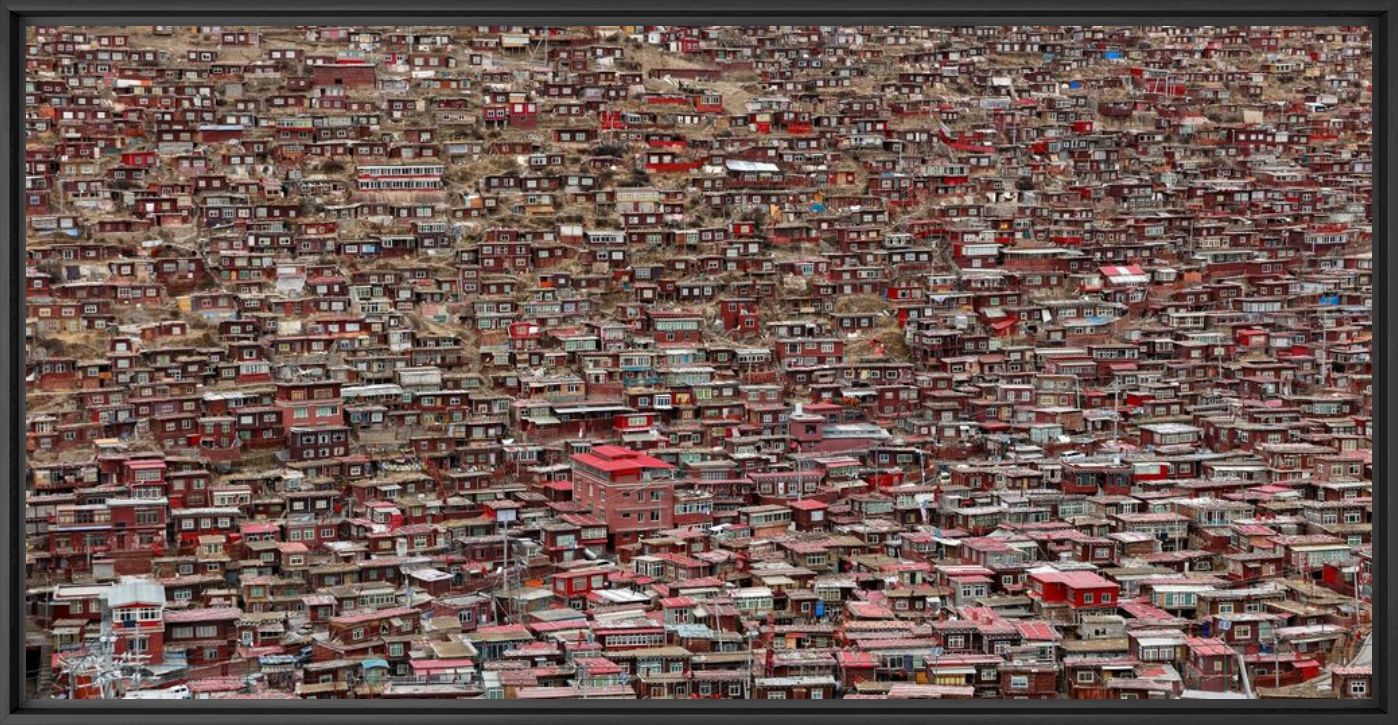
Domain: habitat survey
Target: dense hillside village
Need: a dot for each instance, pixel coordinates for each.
(643, 362)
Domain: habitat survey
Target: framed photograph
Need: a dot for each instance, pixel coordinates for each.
(648, 362)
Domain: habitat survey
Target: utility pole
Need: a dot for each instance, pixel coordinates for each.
(105, 669)
(505, 516)
(1324, 356)
(1116, 409)
(1243, 668)
(1358, 604)
(751, 683)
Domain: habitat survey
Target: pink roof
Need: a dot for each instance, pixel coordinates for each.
(616, 458)
(202, 615)
(597, 665)
(373, 615)
(855, 658)
(561, 625)
(1037, 631)
(1074, 579)
(868, 609)
(1146, 611)
(1208, 647)
(446, 664)
(217, 684)
(518, 629)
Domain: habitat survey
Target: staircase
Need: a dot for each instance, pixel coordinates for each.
(43, 686)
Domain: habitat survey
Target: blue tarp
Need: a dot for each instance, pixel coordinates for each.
(1112, 55)
(371, 664)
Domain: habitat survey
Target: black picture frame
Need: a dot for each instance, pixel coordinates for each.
(15, 15)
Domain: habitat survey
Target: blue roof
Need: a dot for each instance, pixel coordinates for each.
(374, 663)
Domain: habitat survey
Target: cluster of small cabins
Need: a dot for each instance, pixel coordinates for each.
(699, 362)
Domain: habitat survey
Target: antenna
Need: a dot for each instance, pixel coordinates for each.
(100, 666)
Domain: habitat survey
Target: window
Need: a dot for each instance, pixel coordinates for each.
(1086, 677)
(1087, 598)
(1019, 682)
(776, 695)
(1359, 687)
